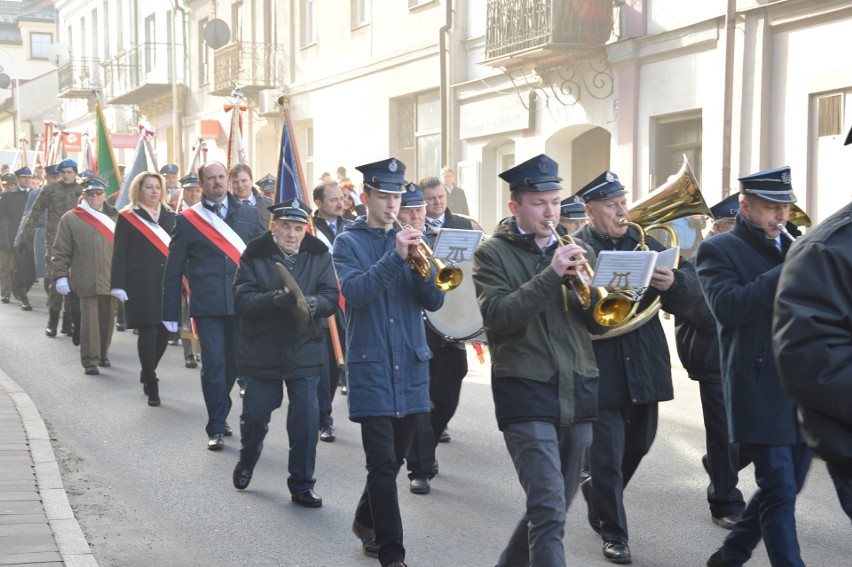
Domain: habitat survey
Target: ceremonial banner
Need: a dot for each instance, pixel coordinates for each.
(105, 165)
(140, 164)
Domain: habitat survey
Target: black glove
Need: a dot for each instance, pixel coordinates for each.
(311, 300)
(283, 298)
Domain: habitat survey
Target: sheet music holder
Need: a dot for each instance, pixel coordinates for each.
(618, 269)
(456, 244)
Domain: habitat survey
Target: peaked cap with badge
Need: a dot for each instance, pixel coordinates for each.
(773, 185)
(537, 175)
(289, 210)
(604, 186)
(413, 197)
(266, 183)
(94, 183)
(386, 176)
(169, 168)
(727, 208)
(573, 208)
(24, 172)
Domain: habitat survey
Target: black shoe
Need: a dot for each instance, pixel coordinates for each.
(52, 322)
(242, 476)
(191, 362)
(153, 392)
(727, 522)
(716, 560)
(327, 434)
(367, 537)
(616, 552)
(91, 369)
(4, 300)
(228, 431)
(24, 303)
(435, 467)
(591, 505)
(120, 327)
(344, 390)
(419, 486)
(216, 442)
(445, 436)
(67, 328)
(307, 498)
(105, 363)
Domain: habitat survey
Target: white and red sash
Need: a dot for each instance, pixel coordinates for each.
(152, 231)
(216, 231)
(98, 220)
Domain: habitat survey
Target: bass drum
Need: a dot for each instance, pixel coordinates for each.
(459, 318)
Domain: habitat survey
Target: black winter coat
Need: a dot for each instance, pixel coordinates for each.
(635, 368)
(12, 204)
(137, 268)
(739, 272)
(272, 343)
(813, 336)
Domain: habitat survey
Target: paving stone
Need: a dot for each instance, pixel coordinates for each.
(29, 558)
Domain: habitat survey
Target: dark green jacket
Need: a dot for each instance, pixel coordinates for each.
(530, 334)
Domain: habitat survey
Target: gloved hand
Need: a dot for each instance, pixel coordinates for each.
(62, 287)
(283, 298)
(171, 326)
(311, 300)
(119, 294)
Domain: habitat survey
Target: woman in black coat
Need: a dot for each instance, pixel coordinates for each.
(139, 258)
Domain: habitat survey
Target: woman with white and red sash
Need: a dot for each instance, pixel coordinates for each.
(141, 248)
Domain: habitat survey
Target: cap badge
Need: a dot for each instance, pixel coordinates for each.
(543, 166)
(392, 166)
(785, 178)
(609, 177)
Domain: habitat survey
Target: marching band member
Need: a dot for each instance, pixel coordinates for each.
(739, 272)
(141, 248)
(543, 372)
(276, 349)
(387, 356)
(206, 245)
(635, 370)
(82, 256)
(572, 214)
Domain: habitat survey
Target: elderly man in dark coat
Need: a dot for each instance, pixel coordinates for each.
(739, 272)
(279, 346)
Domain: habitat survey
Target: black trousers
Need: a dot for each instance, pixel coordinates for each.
(385, 440)
(622, 437)
(447, 369)
(151, 345)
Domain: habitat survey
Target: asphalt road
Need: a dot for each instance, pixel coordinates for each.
(146, 490)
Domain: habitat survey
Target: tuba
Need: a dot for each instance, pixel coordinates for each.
(677, 198)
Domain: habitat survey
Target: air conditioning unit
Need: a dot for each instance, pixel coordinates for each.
(267, 104)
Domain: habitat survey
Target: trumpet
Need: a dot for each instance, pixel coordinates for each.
(421, 259)
(785, 232)
(610, 309)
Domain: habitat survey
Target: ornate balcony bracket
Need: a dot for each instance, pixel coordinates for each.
(565, 83)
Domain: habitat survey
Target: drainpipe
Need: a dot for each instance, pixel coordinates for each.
(177, 137)
(727, 111)
(443, 39)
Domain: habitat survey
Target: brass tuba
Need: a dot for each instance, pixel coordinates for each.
(680, 196)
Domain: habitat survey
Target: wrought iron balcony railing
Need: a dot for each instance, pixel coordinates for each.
(143, 72)
(253, 66)
(517, 27)
(78, 76)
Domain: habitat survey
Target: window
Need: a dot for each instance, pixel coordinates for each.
(83, 37)
(150, 38)
(830, 115)
(237, 20)
(119, 28)
(428, 133)
(40, 45)
(106, 31)
(203, 55)
(309, 22)
(359, 13)
(677, 136)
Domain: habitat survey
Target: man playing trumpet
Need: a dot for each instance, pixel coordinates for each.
(543, 373)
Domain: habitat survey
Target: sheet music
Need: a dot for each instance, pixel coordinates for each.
(624, 269)
(457, 245)
(667, 258)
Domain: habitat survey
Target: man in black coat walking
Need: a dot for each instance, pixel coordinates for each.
(739, 272)
(275, 347)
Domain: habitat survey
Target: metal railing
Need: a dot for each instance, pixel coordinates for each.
(513, 26)
(144, 64)
(251, 65)
(79, 75)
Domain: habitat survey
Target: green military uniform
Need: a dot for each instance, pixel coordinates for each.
(56, 199)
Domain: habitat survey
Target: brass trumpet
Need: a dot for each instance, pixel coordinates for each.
(421, 259)
(609, 309)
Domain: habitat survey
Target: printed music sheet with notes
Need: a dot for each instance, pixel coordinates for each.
(617, 269)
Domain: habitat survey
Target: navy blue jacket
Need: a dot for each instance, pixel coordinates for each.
(387, 356)
(739, 272)
(635, 368)
(210, 271)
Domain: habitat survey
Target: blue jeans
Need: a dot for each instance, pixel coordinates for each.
(780, 472)
(219, 337)
(547, 459)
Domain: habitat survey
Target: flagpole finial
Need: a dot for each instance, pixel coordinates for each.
(284, 101)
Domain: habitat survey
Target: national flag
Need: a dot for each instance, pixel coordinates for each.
(140, 164)
(106, 166)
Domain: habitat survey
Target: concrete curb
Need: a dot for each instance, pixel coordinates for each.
(72, 544)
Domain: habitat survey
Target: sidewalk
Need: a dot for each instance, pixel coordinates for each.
(37, 525)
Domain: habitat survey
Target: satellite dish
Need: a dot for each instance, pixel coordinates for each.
(5, 81)
(216, 33)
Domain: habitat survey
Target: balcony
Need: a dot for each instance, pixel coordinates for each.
(78, 76)
(524, 33)
(143, 75)
(252, 66)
